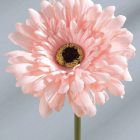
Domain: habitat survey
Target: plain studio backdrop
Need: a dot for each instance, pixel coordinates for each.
(118, 119)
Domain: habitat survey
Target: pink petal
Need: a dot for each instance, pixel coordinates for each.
(59, 107)
(15, 53)
(88, 80)
(101, 97)
(71, 9)
(118, 60)
(52, 1)
(47, 9)
(98, 41)
(62, 35)
(44, 108)
(30, 23)
(21, 68)
(77, 86)
(57, 100)
(93, 12)
(87, 61)
(35, 16)
(114, 24)
(92, 110)
(22, 58)
(48, 45)
(59, 41)
(61, 25)
(128, 54)
(43, 28)
(79, 35)
(19, 76)
(27, 89)
(96, 87)
(78, 110)
(91, 48)
(88, 42)
(59, 10)
(115, 87)
(71, 97)
(39, 85)
(39, 93)
(86, 34)
(104, 47)
(53, 42)
(103, 56)
(45, 69)
(52, 24)
(101, 77)
(17, 60)
(124, 76)
(20, 40)
(121, 42)
(27, 31)
(73, 29)
(29, 78)
(64, 87)
(112, 70)
(51, 90)
(106, 15)
(112, 35)
(84, 6)
(83, 99)
(88, 24)
(78, 73)
(69, 35)
(40, 50)
(42, 18)
(44, 61)
(100, 63)
(131, 47)
(41, 36)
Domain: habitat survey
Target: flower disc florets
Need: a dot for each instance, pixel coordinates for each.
(69, 55)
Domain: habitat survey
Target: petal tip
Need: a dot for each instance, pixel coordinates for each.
(113, 8)
(5, 54)
(7, 70)
(17, 85)
(122, 18)
(10, 35)
(30, 9)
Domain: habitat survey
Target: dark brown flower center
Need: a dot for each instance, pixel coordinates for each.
(69, 55)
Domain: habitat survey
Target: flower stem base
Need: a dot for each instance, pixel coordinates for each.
(77, 129)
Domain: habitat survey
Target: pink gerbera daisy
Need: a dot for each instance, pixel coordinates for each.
(72, 47)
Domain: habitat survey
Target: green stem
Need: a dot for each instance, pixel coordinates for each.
(77, 130)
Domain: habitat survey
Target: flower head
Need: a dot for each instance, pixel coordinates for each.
(71, 47)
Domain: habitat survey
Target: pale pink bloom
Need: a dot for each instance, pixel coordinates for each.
(106, 47)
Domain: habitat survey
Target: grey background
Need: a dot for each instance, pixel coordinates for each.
(19, 116)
